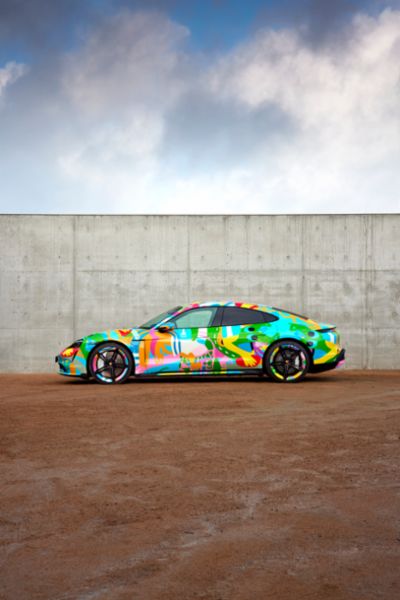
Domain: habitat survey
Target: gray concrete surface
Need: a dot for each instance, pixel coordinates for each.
(62, 277)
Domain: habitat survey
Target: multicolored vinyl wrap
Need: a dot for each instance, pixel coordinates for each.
(214, 350)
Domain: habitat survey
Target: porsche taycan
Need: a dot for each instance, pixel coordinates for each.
(213, 338)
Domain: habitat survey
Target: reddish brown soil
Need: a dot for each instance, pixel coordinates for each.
(227, 489)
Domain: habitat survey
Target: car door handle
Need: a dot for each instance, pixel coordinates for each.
(251, 328)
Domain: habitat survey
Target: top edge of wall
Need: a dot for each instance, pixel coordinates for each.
(387, 214)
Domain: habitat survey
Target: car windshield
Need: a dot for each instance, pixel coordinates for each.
(155, 320)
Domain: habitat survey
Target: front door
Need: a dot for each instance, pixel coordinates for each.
(193, 332)
(187, 348)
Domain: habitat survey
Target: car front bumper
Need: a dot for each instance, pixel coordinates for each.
(71, 368)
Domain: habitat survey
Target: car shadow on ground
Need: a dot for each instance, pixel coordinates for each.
(205, 379)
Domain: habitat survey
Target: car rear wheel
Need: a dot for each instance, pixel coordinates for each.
(286, 362)
(110, 363)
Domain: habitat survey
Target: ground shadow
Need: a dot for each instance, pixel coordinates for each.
(204, 379)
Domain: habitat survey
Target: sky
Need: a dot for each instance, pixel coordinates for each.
(191, 107)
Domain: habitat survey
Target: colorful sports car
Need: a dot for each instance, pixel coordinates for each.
(212, 338)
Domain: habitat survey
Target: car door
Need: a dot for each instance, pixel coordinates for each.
(237, 346)
(194, 332)
(183, 344)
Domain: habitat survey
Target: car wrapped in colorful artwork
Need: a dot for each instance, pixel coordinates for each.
(213, 338)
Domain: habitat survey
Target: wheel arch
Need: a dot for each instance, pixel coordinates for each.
(118, 343)
(291, 339)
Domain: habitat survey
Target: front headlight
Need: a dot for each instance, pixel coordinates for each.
(72, 350)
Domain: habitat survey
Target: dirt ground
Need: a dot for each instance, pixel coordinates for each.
(200, 489)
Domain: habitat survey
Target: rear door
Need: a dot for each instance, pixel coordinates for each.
(236, 347)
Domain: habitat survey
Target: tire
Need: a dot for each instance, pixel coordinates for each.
(286, 361)
(110, 363)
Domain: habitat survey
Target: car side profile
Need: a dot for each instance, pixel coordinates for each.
(214, 338)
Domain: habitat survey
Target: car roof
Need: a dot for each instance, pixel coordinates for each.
(232, 303)
(251, 306)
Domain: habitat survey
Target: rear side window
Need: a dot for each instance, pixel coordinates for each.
(268, 318)
(245, 316)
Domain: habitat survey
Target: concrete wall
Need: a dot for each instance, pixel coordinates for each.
(62, 277)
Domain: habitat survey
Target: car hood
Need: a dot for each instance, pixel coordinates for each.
(138, 333)
(124, 335)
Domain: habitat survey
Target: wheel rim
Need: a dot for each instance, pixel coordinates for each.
(288, 362)
(110, 364)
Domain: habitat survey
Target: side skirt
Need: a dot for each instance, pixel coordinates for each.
(199, 373)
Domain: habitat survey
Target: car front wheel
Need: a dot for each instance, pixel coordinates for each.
(286, 362)
(110, 363)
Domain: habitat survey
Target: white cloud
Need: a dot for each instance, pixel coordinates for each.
(357, 79)
(133, 59)
(10, 73)
(121, 84)
(282, 126)
(345, 101)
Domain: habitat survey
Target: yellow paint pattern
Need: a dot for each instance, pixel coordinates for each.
(229, 343)
(333, 351)
(192, 361)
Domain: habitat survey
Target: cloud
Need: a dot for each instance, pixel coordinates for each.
(319, 22)
(10, 73)
(121, 85)
(344, 100)
(312, 85)
(132, 120)
(37, 27)
(130, 60)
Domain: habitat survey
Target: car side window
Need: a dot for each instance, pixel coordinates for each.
(268, 318)
(198, 317)
(244, 316)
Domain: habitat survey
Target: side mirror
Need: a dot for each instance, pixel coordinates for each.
(166, 328)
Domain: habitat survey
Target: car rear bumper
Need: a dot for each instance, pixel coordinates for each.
(338, 362)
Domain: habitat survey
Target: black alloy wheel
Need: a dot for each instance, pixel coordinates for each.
(286, 362)
(110, 363)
